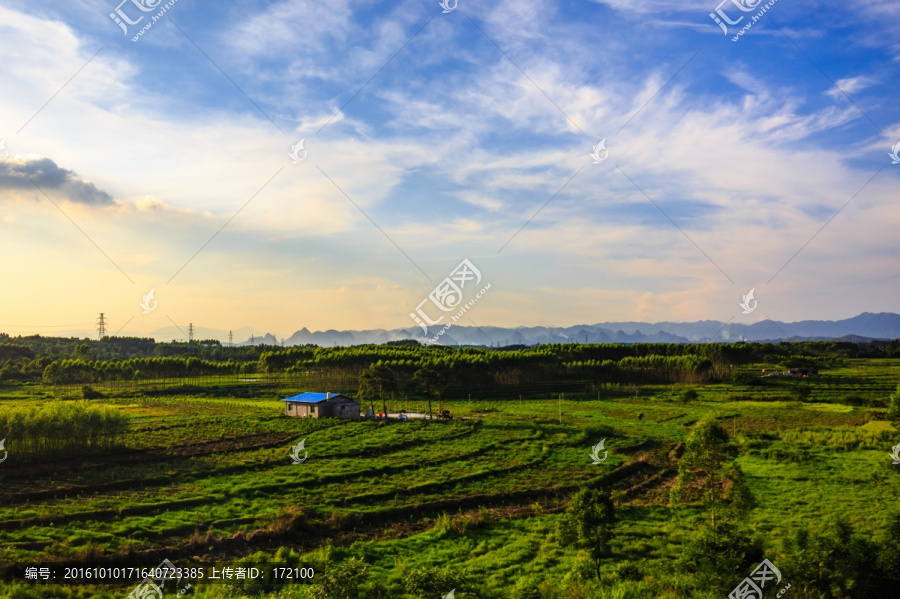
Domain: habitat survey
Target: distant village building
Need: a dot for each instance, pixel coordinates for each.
(321, 405)
(800, 372)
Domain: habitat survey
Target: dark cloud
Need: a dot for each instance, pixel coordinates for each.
(58, 183)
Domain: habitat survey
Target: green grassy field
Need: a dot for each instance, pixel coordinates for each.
(471, 504)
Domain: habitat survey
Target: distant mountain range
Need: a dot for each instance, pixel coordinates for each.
(866, 326)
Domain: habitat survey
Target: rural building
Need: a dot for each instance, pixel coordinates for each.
(321, 405)
(803, 372)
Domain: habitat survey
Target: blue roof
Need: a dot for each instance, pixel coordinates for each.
(311, 397)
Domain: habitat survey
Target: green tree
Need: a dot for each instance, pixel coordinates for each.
(83, 352)
(377, 382)
(689, 395)
(708, 451)
(719, 557)
(431, 383)
(588, 523)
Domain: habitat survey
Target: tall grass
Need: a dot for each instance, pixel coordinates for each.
(61, 428)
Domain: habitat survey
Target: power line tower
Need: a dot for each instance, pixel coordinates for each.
(252, 340)
(101, 326)
(230, 338)
(190, 332)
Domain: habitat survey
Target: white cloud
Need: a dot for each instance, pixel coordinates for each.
(849, 86)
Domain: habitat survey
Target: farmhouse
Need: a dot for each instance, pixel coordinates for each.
(801, 372)
(321, 405)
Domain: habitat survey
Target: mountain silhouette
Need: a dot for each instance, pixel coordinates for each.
(864, 327)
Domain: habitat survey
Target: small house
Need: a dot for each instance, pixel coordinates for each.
(321, 405)
(801, 372)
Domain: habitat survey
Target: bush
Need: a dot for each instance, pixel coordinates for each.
(894, 407)
(630, 571)
(844, 563)
(433, 582)
(744, 378)
(689, 395)
(88, 392)
(802, 391)
(721, 555)
(526, 588)
(346, 581)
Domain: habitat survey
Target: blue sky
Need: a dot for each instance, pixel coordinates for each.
(435, 137)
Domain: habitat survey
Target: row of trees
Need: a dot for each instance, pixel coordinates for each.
(61, 429)
(77, 371)
(459, 371)
(463, 369)
(121, 348)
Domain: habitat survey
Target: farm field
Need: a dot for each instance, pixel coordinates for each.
(474, 504)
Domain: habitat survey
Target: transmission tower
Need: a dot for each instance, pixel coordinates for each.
(252, 339)
(101, 326)
(190, 331)
(230, 338)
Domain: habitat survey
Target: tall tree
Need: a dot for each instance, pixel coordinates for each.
(707, 453)
(432, 383)
(588, 524)
(377, 382)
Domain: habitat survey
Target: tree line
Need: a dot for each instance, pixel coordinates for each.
(60, 429)
(462, 368)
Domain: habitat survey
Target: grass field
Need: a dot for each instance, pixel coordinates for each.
(471, 504)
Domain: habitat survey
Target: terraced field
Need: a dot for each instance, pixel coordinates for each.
(471, 504)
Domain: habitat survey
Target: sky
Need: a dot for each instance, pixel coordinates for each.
(593, 160)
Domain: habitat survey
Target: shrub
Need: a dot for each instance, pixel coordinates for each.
(630, 571)
(526, 588)
(744, 378)
(894, 407)
(433, 582)
(346, 581)
(720, 555)
(853, 400)
(89, 392)
(803, 391)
